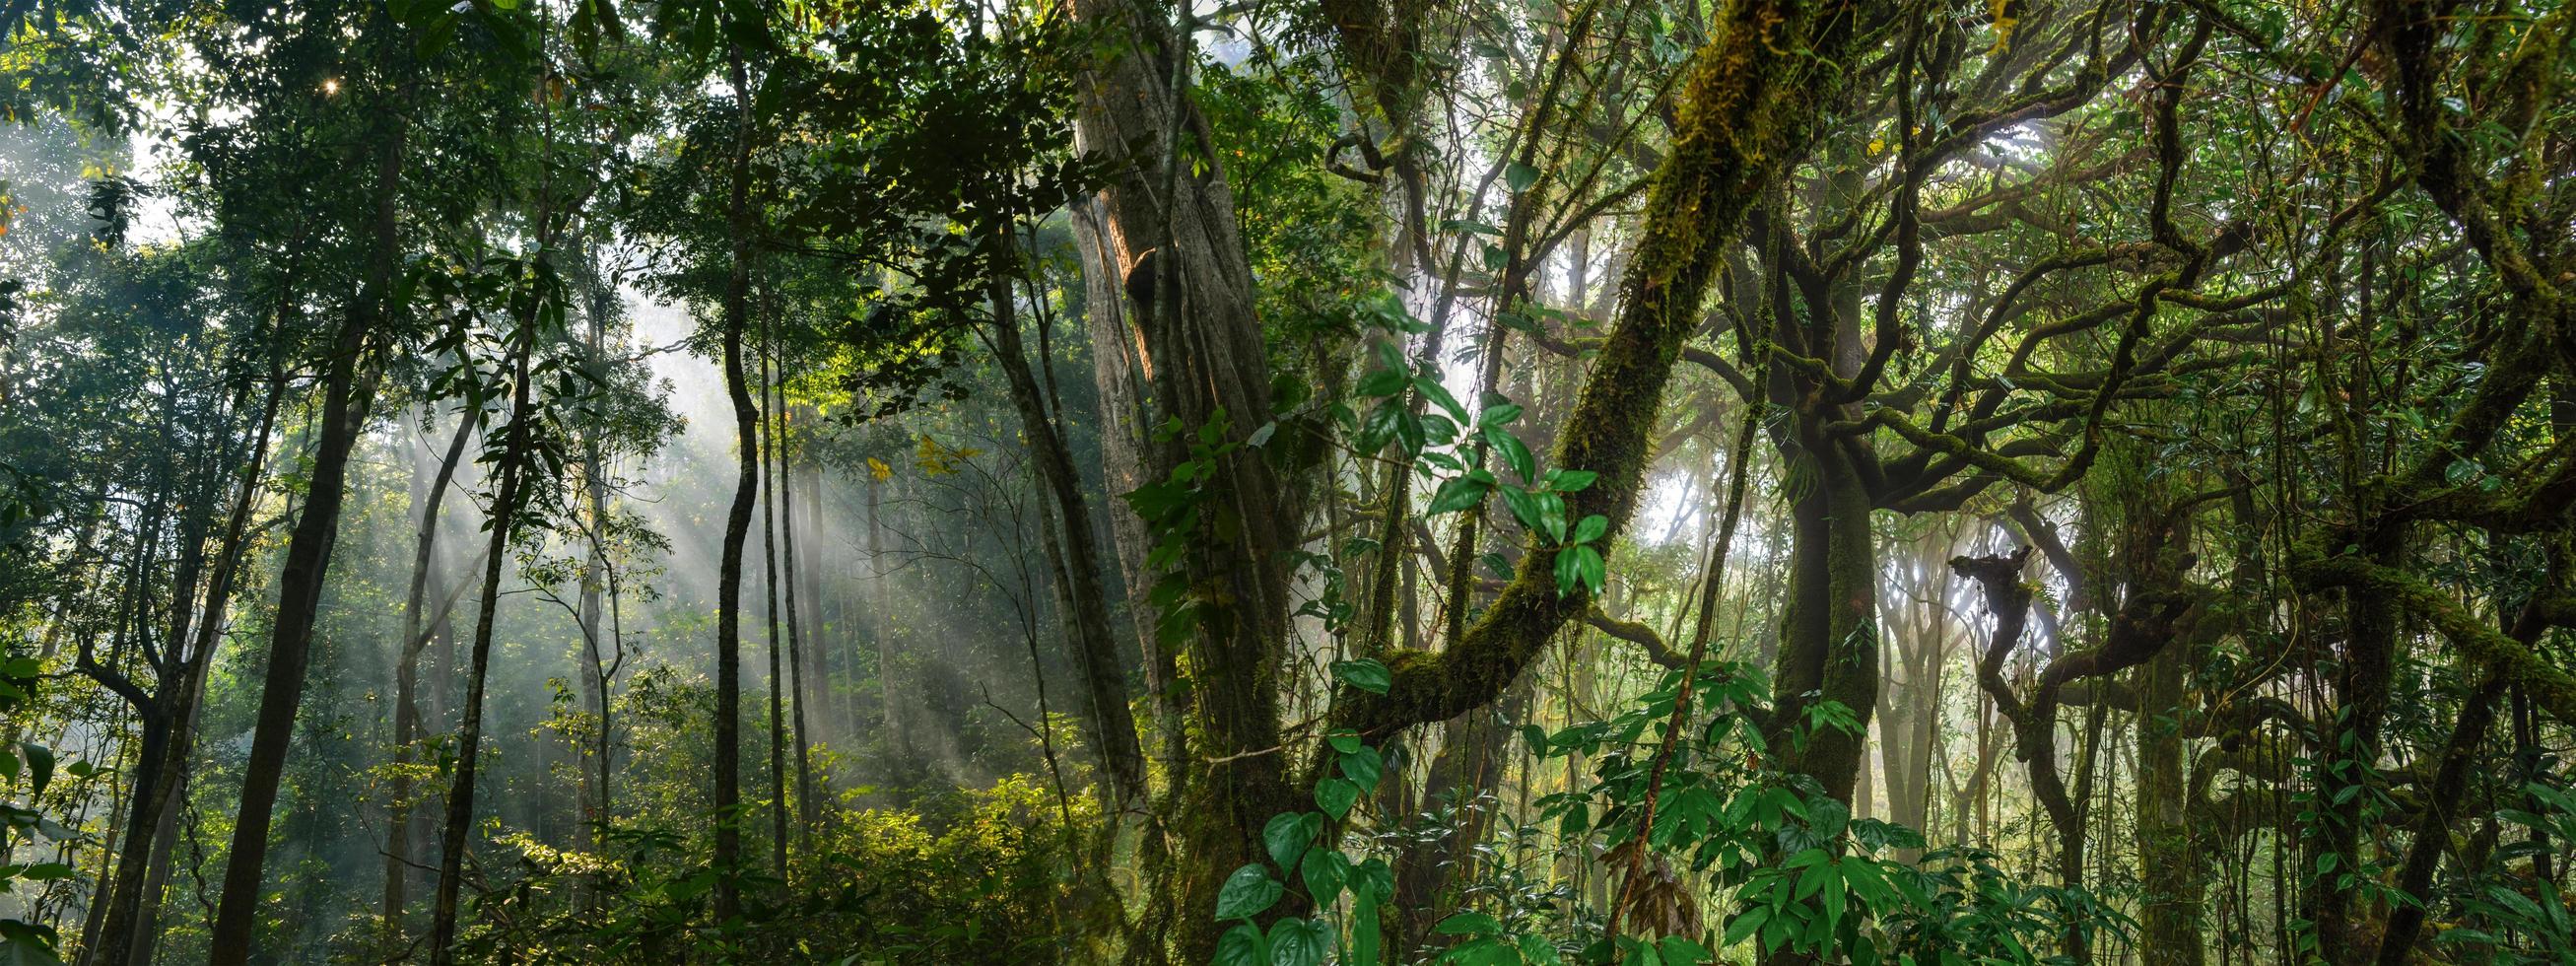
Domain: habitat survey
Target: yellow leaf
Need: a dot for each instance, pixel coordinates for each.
(878, 469)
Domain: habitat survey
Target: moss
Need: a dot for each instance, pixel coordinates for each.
(1751, 104)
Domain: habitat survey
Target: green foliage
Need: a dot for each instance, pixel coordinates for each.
(983, 877)
(1800, 875)
(29, 767)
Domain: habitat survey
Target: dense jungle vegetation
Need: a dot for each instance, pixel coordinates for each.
(1287, 482)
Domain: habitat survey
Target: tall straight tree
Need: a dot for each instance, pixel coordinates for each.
(347, 392)
(529, 302)
(746, 435)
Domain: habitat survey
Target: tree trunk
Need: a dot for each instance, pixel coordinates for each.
(346, 394)
(1201, 345)
(785, 475)
(2169, 907)
(768, 456)
(1829, 637)
(746, 435)
(407, 718)
(505, 506)
(132, 927)
(1104, 678)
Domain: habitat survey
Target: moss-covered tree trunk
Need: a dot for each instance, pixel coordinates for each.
(1829, 632)
(2169, 907)
(1175, 243)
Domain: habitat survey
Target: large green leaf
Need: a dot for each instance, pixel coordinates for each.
(1288, 834)
(1247, 892)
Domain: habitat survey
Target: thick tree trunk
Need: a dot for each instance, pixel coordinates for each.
(1115, 355)
(2333, 856)
(1201, 347)
(1829, 636)
(2169, 909)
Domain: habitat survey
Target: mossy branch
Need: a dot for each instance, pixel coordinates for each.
(1751, 106)
(2550, 687)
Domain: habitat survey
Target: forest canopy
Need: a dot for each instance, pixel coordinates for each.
(1288, 482)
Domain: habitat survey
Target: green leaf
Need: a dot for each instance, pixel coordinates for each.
(1375, 878)
(40, 765)
(1287, 835)
(1551, 515)
(1363, 767)
(1524, 507)
(46, 872)
(1742, 928)
(1515, 453)
(1248, 891)
(1299, 942)
(1579, 565)
(1470, 923)
(1454, 495)
(1680, 950)
(1366, 674)
(1343, 740)
(1498, 415)
(1336, 796)
(1537, 739)
(1431, 389)
(1591, 528)
(1364, 926)
(1569, 571)
(1519, 176)
(1571, 481)
(1381, 382)
(1242, 946)
(1325, 871)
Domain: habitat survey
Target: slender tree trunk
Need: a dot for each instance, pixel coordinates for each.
(1113, 725)
(459, 826)
(769, 588)
(2432, 832)
(898, 736)
(159, 727)
(407, 718)
(806, 804)
(746, 434)
(346, 394)
(132, 928)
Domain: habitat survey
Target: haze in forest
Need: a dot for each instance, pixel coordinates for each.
(1290, 482)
